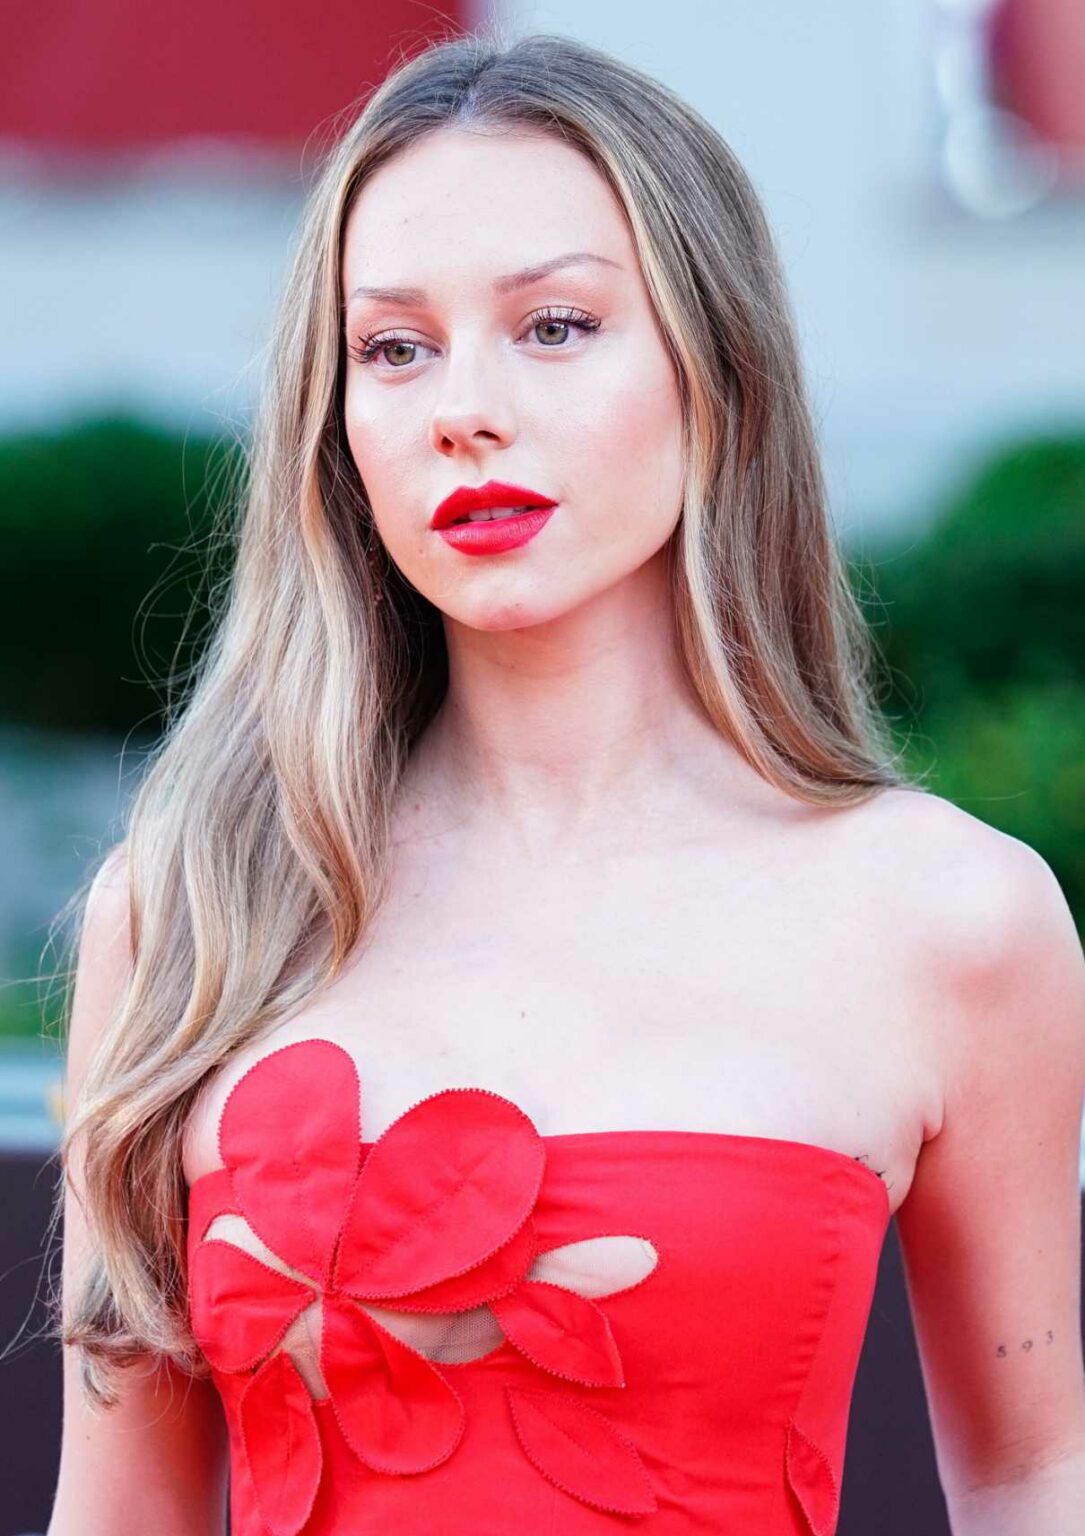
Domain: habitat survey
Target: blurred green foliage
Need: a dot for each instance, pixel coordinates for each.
(25, 1014)
(102, 586)
(981, 624)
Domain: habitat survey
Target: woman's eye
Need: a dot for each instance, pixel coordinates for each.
(369, 348)
(582, 322)
(366, 351)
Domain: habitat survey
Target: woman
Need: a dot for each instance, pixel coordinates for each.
(529, 986)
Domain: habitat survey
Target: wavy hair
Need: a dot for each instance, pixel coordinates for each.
(256, 846)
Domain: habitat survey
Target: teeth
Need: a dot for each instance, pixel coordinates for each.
(489, 514)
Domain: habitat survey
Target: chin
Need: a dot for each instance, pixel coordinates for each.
(494, 616)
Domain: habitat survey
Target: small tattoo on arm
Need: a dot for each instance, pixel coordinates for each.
(1025, 1344)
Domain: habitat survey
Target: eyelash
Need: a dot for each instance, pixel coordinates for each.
(369, 346)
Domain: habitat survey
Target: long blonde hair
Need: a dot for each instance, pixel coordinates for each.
(257, 843)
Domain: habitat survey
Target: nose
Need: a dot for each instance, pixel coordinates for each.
(474, 404)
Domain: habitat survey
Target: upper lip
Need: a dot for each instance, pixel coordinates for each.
(474, 498)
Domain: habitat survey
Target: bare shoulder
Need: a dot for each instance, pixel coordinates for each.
(992, 944)
(104, 958)
(979, 898)
(106, 909)
(977, 917)
(956, 876)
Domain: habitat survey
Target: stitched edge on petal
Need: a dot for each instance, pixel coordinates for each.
(798, 1441)
(554, 1370)
(329, 1373)
(443, 1290)
(346, 1060)
(291, 1317)
(433, 1105)
(648, 1506)
(268, 1367)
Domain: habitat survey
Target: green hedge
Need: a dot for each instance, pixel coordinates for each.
(95, 584)
(995, 593)
(981, 623)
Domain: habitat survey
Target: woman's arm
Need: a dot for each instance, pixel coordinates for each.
(158, 1461)
(991, 1227)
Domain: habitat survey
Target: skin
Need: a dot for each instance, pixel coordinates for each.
(599, 910)
(565, 639)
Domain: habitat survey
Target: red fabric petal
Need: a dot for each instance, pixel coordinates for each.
(396, 1411)
(446, 1185)
(579, 1451)
(240, 1307)
(282, 1444)
(289, 1134)
(812, 1480)
(561, 1332)
(495, 1276)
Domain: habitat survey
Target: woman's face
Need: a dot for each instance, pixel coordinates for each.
(472, 379)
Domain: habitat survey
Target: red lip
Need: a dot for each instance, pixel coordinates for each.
(475, 498)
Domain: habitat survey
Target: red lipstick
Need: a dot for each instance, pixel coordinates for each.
(491, 536)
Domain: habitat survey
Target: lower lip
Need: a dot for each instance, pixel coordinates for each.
(497, 534)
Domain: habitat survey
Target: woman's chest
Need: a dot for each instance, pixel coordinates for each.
(638, 993)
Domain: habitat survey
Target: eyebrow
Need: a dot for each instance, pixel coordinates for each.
(507, 284)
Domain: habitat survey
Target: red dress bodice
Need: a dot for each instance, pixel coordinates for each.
(555, 1334)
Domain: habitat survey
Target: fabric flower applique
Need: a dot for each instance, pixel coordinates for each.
(424, 1249)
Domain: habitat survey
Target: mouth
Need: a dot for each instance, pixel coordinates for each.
(495, 501)
(506, 530)
(496, 514)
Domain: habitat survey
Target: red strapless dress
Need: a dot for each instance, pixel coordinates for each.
(559, 1335)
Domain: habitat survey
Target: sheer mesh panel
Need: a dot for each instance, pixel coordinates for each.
(452, 1337)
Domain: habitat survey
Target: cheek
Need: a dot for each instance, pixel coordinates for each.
(379, 444)
(624, 392)
(628, 452)
(371, 433)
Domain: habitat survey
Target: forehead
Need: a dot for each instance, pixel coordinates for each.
(461, 205)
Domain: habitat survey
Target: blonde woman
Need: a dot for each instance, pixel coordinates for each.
(528, 985)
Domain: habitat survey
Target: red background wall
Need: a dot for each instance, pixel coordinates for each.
(123, 74)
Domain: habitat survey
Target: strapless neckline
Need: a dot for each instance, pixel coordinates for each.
(710, 1141)
(626, 1137)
